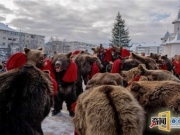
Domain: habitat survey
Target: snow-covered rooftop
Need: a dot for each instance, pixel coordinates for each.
(175, 40)
(166, 35)
(6, 28)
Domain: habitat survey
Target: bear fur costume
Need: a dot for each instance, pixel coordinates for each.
(120, 65)
(129, 64)
(86, 64)
(19, 59)
(66, 76)
(132, 75)
(105, 56)
(104, 79)
(108, 110)
(167, 62)
(80, 59)
(1, 68)
(150, 63)
(25, 97)
(155, 97)
(158, 75)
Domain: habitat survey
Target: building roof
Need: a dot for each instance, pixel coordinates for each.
(177, 18)
(166, 36)
(176, 40)
(31, 34)
(6, 28)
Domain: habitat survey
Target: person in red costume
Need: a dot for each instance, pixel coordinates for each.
(176, 64)
(117, 64)
(94, 70)
(162, 66)
(66, 76)
(105, 57)
(124, 52)
(19, 59)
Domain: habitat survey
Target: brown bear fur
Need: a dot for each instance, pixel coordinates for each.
(35, 56)
(1, 65)
(66, 90)
(108, 110)
(129, 64)
(25, 97)
(157, 96)
(158, 75)
(97, 49)
(85, 61)
(105, 79)
(115, 51)
(168, 62)
(154, 56)
(132, 73)
(150, 63)
(63, 58)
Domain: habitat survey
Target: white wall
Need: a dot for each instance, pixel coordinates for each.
(175, 49)
(166, 50)
(7, 37)
(176, 27)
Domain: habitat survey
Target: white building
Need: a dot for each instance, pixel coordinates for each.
(67, 46)
(9, 41)
(171, 41)
(149, 49)
(31, 41)
(12, 41)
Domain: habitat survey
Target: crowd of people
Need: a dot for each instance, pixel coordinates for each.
(113, 56)
(176, 65)
(2, 66)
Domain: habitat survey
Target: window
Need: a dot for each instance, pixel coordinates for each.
(4, 37)
(32, 36)
(178, 28)
(4, 43)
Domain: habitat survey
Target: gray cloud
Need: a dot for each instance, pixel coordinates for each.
(4, 10)
(2, 18)
(92, 20)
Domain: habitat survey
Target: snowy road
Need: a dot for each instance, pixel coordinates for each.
(58, 125)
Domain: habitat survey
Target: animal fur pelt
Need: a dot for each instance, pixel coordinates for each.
(25, 100)
(108, 110)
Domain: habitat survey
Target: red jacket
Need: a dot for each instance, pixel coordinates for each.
(108, 56)
(125, 53)
(136, 78)
(177, 67)
(48, 67)
(94, 70)
(71, 73)
(163, 67)
(116, 66)
(19, 59)
(76, 52)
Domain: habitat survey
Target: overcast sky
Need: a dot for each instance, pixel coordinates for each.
(90, 21)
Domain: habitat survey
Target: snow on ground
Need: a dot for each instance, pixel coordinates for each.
(61, 124)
